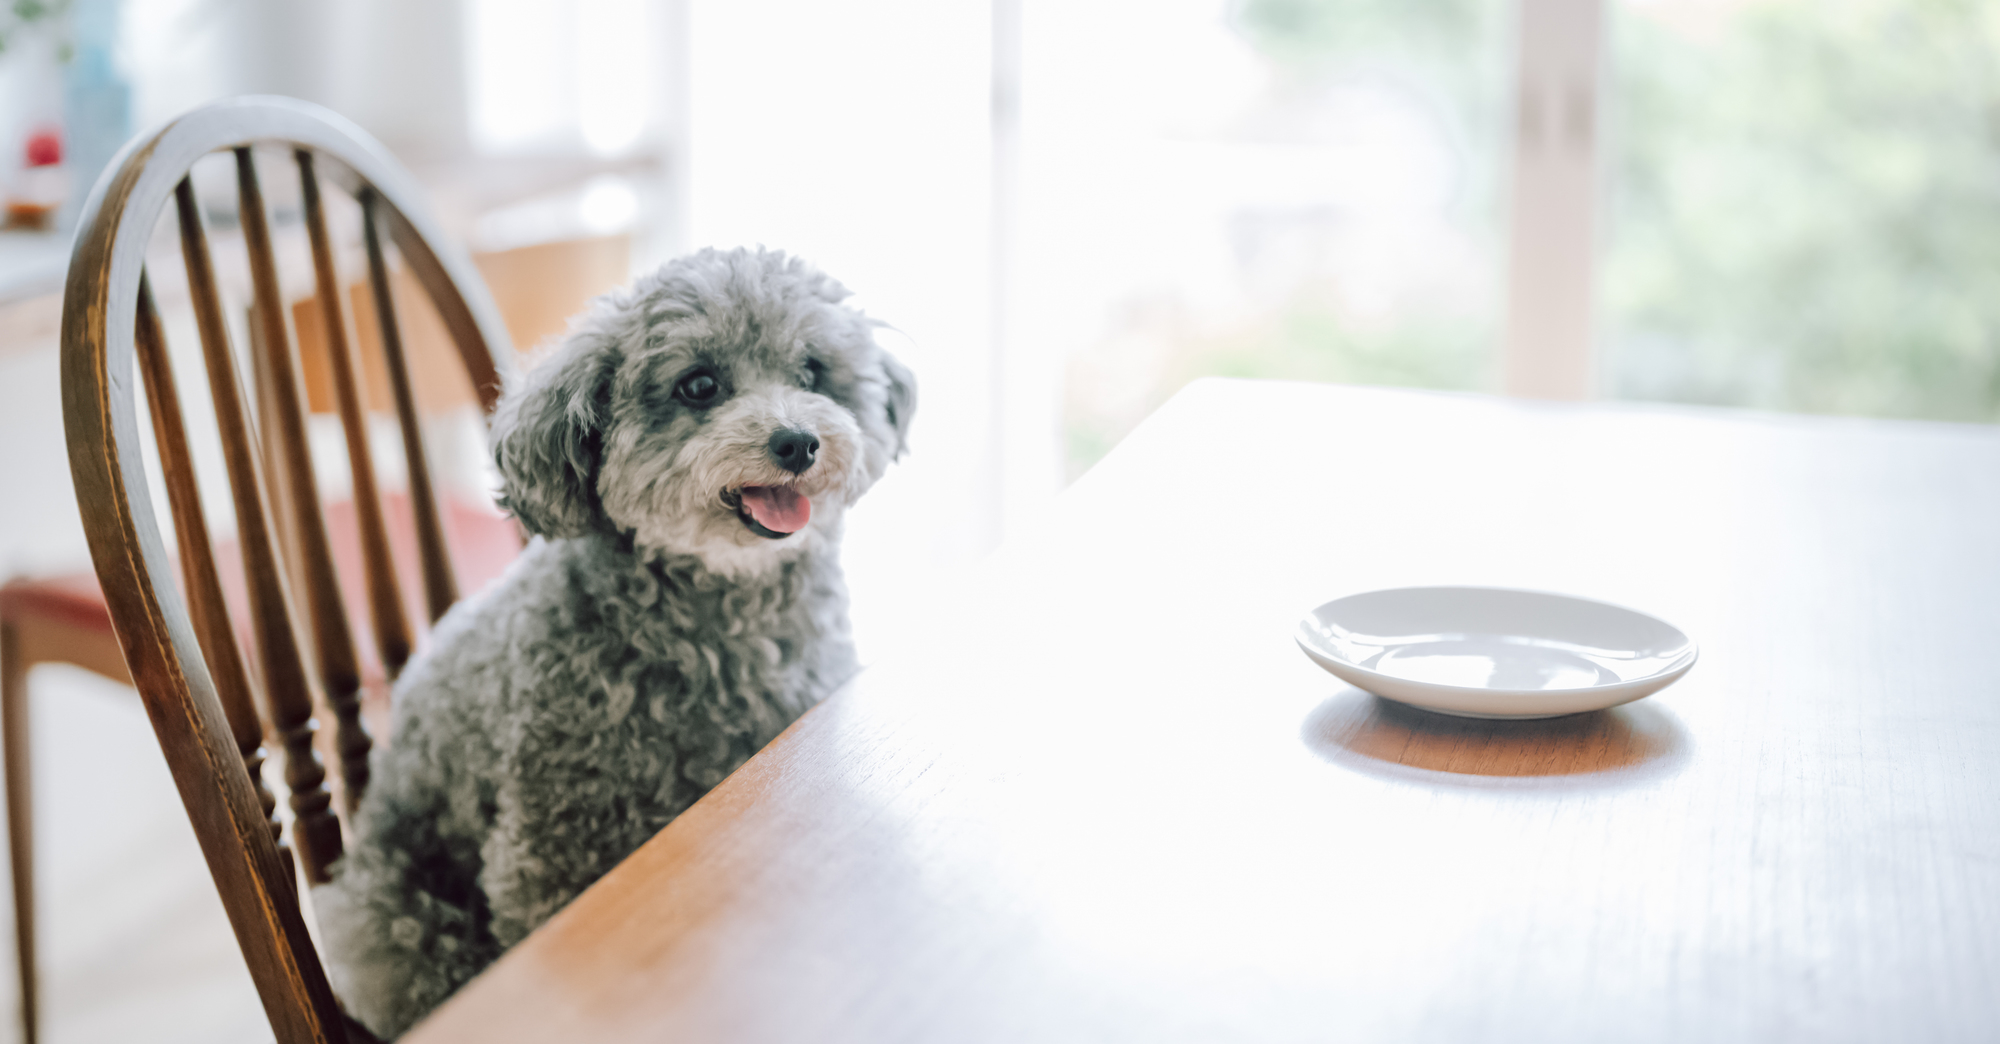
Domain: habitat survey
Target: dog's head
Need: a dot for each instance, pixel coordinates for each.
(727, 406)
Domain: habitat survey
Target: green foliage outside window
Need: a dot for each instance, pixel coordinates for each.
(21, 14)
(1806, 208)
(1801, 204)
(1804, 195)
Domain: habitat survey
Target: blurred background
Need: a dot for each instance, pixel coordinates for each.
(1067, 211)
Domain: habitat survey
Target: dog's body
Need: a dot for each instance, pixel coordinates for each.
(687, 457)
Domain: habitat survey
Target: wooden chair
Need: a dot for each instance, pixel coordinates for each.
(63, 618)
(201, 690)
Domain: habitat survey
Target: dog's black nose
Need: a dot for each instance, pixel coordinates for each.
(794, 450)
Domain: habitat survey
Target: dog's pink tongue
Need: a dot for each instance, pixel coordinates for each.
(779, 509)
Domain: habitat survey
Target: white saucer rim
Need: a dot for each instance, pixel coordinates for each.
(1561, 595)
(1654, 682)
(1671, 672)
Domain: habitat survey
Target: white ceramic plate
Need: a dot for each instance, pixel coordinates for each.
(1484, 652)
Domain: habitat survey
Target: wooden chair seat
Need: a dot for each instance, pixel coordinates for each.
(74, 601)
(483, 543)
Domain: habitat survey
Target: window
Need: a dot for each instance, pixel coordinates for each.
(1806, 206)
(1266, 188)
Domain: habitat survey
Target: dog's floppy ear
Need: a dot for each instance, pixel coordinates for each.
(902, 402)
(548, 433)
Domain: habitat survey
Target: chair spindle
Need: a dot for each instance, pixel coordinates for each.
(284, 514)
(385, 598)
(440, 587)
(333, 643)
(315, 831)
(212, 627)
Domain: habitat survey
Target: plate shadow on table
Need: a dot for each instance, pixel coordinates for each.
(1624, 746)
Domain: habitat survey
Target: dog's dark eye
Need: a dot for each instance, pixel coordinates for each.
(814, 374)
(698, 389)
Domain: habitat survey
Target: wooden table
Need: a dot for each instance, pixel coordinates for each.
(1109, 800)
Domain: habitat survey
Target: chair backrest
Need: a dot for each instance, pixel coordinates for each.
(202, 692)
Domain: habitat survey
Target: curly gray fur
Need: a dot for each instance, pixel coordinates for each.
(644, 646)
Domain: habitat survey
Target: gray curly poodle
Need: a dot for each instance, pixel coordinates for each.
(685, 459)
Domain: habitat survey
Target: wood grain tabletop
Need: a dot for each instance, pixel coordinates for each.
(1104, 796)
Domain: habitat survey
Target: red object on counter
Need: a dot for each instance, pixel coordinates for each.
(45, 148)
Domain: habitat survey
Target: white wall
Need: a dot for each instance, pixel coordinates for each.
(395, 67)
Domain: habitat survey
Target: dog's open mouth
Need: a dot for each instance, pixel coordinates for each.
(771, 511)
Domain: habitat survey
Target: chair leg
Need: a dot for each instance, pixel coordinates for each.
(20, 815)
